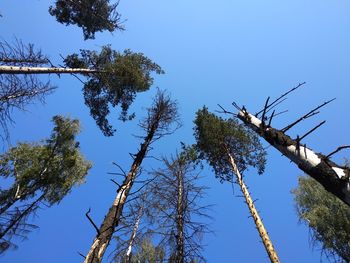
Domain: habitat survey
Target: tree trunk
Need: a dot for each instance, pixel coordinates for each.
(257, 220)
(111, 220)
(180, 219)
(133, 234)
(333, 177)
(44, 70)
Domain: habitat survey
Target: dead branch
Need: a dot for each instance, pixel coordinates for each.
(91, 221)
(337, 150)
(307, 115)
(282, 96)
(312, 130)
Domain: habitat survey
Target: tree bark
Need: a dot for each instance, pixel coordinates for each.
(111, 220)
(257, 220)
(45, 70)
(133, 234)
(333, 177)
(180, 219)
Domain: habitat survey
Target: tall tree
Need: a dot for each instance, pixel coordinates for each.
(113, 79)
(182, 218)
(91, 15)
(327, 217)
(333, 177)
(160, 117)
(230, 149)
(42, 173)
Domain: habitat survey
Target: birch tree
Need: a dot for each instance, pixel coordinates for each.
(42, 173)
(91, 15)
(113, 79)
(333, 177)
(230, 149)
(327, 217)
(160, 117)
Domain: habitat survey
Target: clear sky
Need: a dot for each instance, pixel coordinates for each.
(212, 52)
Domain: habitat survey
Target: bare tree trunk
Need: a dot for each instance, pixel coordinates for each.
(44, 70)
(133, 234)
(333, 177)
(180, 219)
(111, 220)
(257, 220)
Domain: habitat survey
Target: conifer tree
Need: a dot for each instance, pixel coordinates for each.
(161, 117)
(113, 78)
(42, 173)
(230, 149)
(91, 15)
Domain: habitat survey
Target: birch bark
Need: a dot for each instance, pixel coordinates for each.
(333, 177)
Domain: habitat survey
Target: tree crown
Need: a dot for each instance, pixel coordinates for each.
(91, 15)
(216, 137)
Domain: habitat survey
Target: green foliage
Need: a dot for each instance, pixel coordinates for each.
(148, 253)
(216, 137)
(91, 15)
(121, 76)
(327, 217)
(53, 167)
(44, 172)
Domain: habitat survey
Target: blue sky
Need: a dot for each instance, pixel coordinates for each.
(212, 52)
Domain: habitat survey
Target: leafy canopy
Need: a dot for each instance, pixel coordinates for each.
(327, 217)
(119, 77)
(216, 137)
(52, 167)
(91, 15)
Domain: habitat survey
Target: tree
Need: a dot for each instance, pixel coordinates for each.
(19, 91)
(160, 117)
(181, 216)
(327, 217)
(113, 79)
(230, 149)
(91, 15)
(42, 173)
(333, 177)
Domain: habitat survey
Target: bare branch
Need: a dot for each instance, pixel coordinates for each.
(92, 222)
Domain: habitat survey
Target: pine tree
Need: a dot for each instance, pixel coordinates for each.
(230, 149)
(91, 15)
(42, 173)
(113, 78)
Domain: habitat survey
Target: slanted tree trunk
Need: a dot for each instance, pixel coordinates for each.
(44, 70)
(111, 220)
(257, 220)
(133, 235)
(180, 219)
(333, 177)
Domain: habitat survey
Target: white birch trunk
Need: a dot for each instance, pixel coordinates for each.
(333, 177)
(44, 70)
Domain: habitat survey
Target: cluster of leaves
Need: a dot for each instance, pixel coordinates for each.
(327, 217)
(216, 137)
(44, 172)
(91, 15)
(119, 77)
